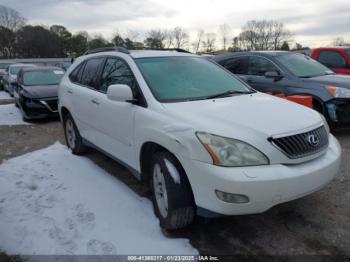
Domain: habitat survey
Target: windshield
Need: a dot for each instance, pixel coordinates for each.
(187, 78)
(4, 65)
(43, 77)
(15, 69)
(303, 66)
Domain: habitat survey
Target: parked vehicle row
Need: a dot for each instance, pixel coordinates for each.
(205, 141)
(34, 89)
(293, 74)
(10, 78)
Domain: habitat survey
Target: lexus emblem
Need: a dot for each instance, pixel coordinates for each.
(313, 140)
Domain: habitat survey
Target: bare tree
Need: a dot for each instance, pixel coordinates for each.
(199, 40)
(338, 41)
(264, 35)
(10, 18)
(155, 39)
(133, 35)
(169, 38)
(280, 35)
(180, 37)
(224, 30)
(210, 41)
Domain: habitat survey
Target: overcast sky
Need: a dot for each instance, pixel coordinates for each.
(314, 22)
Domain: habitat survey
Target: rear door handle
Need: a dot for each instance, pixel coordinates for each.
(95, 101)
(69, 91)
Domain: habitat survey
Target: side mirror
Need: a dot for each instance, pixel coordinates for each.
(274, 75)
(120, 93)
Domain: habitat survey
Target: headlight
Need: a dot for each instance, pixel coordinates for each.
(231, 152)
(338, 92)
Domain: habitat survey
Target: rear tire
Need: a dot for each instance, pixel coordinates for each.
(171, 194)
(73, 139)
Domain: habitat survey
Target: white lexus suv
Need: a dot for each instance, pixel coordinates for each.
(205, 141)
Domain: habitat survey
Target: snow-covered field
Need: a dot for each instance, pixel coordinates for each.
(4, 95)
(10, 115)
(52, 202)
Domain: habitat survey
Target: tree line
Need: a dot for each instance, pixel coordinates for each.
(21, 40)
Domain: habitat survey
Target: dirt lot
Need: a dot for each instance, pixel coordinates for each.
(318, 224)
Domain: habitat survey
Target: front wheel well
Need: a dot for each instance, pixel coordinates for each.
(64, 112)
(147, 151)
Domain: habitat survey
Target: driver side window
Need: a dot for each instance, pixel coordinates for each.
(258, 66)
(116, 71)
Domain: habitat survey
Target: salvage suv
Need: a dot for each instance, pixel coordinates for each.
(203, 139)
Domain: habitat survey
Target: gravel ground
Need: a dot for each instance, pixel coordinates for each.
(318, 224)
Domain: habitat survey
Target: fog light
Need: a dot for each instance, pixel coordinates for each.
(231, 198)
(332, 111)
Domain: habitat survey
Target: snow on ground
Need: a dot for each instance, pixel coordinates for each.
(4, 95)
(52, 202)
(10, 115)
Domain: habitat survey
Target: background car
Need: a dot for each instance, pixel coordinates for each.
(3, 70)
(10, 78)
(336, 58)
(287, 74)
(36, 93)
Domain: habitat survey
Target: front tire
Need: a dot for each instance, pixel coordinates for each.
(171, 193)
(73, 139)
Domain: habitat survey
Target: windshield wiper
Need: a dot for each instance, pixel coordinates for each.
(325, 74)
(229, 93)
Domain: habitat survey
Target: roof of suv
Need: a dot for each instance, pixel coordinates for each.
(262, 53)
(332, 47)
(140, 53)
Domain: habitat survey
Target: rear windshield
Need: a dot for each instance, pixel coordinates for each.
(187, 78)
(303, 66)
(42, 77)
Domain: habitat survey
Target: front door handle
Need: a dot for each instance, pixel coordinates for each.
(95, 101)
(69, 91)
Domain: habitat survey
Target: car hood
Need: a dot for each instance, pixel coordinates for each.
(41, 91)
(245, 116)
(334, 80)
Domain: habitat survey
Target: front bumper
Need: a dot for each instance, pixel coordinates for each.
(338, 113)
(38, 109)
(266, 186)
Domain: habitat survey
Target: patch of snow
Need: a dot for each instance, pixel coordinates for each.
(53, 202)
(10, 115)
(172, 171)
(4, 95)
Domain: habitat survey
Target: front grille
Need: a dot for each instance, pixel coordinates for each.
(304, 144)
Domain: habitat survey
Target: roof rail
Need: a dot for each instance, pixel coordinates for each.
(164, 49)
(107, 49)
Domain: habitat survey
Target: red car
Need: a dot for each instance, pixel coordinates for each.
(336, 58)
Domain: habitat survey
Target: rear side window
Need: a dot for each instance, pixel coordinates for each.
(91, 72)
(258, 66)
(332, 59)
(76, 73)
(237, 65)
(116, 71)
